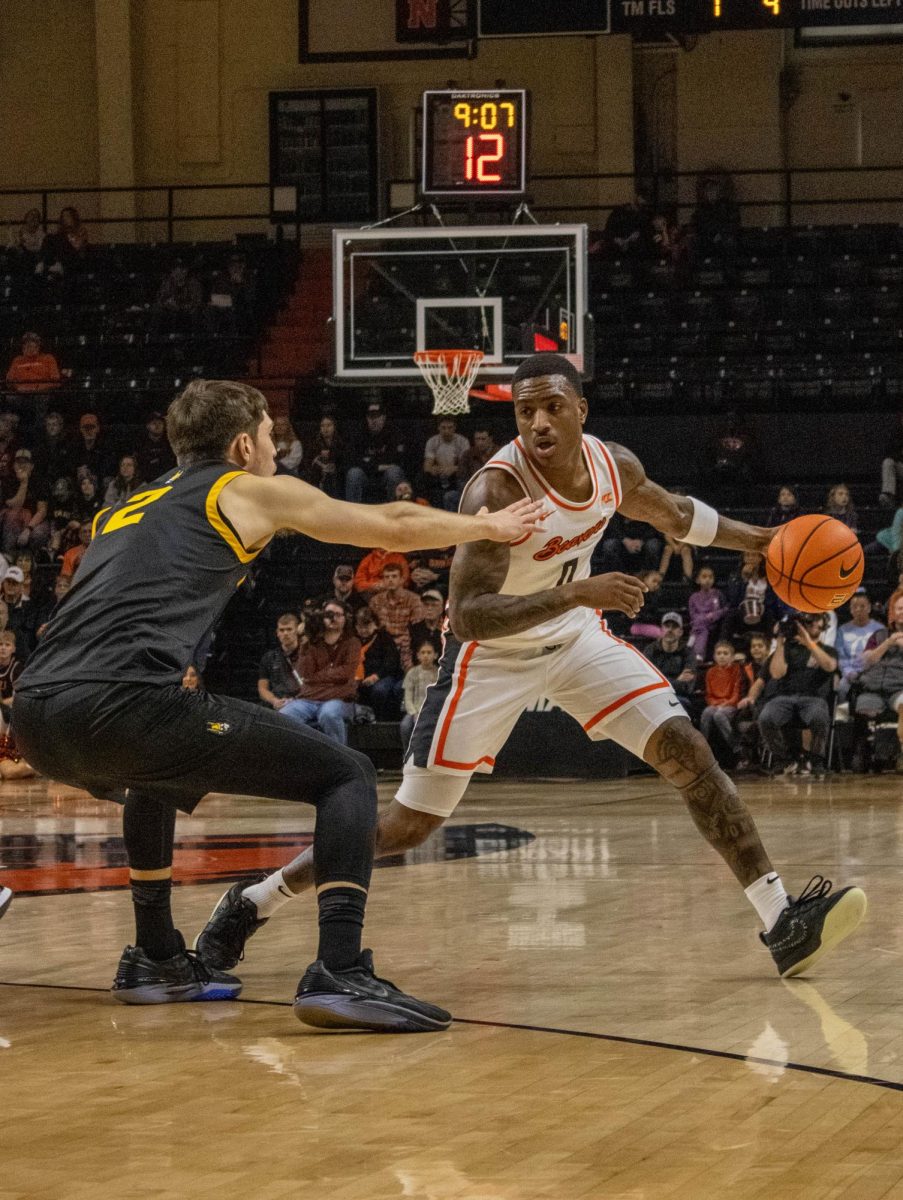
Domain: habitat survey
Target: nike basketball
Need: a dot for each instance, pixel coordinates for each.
(814, 563)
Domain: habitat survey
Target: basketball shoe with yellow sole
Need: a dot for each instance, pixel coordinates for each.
(814, 923)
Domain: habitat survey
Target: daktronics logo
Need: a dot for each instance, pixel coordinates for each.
(558, 545)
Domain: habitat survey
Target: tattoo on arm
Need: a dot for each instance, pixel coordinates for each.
(682, 757)
(477, 609)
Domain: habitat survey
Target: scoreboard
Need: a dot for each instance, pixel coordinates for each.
(514, 18)
(474, 143)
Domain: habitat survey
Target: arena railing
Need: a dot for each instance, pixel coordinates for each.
(790, 198)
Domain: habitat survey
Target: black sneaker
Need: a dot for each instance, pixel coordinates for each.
(221, 943)
(813, 924)
(6, 899)
(356, 999)
(184, 977)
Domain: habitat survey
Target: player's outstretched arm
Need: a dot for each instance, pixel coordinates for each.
(644, 500)
(258, 506)
(478, 610)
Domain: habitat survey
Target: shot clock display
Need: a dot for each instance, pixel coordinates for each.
(474, 143)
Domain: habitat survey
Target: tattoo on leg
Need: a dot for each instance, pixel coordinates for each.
(681, 756)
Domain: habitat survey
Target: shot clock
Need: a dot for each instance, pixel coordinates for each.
(474, 143)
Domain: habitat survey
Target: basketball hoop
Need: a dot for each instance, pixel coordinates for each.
(449, 375)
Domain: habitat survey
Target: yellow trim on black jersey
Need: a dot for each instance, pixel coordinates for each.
(97, 517)
(214, 516)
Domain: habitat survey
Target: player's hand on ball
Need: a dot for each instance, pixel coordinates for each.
(613, 591)
(514, 522)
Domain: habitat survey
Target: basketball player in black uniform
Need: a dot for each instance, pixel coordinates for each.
(100, 704)
(526, 625)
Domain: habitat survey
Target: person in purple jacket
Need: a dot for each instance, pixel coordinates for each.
(707, 607)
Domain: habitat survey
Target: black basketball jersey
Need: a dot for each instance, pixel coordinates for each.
(158, 573)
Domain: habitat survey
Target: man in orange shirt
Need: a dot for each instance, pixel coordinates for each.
(723, 687)
(31, 371)
(369, 574)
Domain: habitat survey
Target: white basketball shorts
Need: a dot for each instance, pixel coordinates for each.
(609, 687)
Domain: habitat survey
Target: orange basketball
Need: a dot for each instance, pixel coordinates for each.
(814, 563)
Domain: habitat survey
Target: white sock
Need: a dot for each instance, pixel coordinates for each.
(270, 894)
(768, 898)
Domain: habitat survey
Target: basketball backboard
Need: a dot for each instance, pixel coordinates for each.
(506, 290)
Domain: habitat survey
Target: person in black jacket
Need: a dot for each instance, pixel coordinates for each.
(380, 674)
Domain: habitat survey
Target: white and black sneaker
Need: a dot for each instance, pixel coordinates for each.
(356, 998)
(6, 899)
(221, 943)
(813, 924)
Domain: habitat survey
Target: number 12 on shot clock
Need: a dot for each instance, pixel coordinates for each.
(474, 143)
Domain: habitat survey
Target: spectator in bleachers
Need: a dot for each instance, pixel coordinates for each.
(20, 611)
(723, 685)
(443, 459)
(278, 676)
(28, 239)
(289, 451)
(853, 638)
(33, 372)
(378, 455)
(890, 539)
(368, 578)
(668, 240)
(125, 483)
(628, 230)
(23, 519)
(404, 491)
(839, 505)
(230, 310)
(417, 679)
(326, 467)
(786, 509)
(881, 678)
(892, 468)
(88, 500)
(484, 447)
(52, 449)
(44, 609)
(192, 680)
(751, 606)
(429, 627)
(804, 669)
(179, 302)
(328, 665)
(90, 451)
(11, 667)
(65, 250)
(674, 658)
(397, 609)
(647, 627)
(343, 589)
(61, 514)
(707, 607)
(431, 568)
(8, 439)
(715, 222)
(632, 547)
(153, 452)
(73, 556)
(379, 672)
(675, 551)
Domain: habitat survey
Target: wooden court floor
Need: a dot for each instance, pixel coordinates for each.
(619, 1032)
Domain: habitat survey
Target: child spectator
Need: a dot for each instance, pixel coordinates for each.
(839, 505)
(707, 607)
(787, 507)
(723, 688)
(11, 668)
(416, 682)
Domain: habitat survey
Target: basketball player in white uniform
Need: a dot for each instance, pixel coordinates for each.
(527, 621)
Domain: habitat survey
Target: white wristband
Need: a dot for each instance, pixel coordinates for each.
(704, 526)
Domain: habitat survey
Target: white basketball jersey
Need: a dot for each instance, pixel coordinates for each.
(562, 551)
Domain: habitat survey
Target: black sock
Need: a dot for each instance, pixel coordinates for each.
(149, 831)
(341, 923)
(154, 929)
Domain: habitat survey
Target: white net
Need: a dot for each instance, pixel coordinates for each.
(449, 375)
